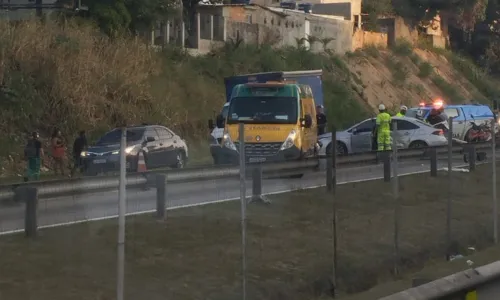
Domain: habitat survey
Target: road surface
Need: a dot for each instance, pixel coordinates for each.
(61, 210)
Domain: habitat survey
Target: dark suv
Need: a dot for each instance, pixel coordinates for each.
(160, 146)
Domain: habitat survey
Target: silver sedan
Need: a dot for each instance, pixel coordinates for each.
(411, 133)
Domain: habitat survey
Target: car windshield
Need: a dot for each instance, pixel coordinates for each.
(280, 110)
(114, 136)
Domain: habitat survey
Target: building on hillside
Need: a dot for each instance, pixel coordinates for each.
(349, 9)
(256, 24)
(392, 29)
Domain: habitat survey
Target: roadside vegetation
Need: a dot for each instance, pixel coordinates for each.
(73, 77)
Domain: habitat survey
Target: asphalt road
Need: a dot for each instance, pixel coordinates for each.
(63, 210)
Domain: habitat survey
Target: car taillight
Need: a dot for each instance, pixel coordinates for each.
(438, 132)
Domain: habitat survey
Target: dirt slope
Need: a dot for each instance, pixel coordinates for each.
(384, 76)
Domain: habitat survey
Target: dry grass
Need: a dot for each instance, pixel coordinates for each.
(196, 253)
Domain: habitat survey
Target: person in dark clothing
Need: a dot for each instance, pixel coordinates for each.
(33, 153)
(436, 116)
(79, 145)
(320, 119)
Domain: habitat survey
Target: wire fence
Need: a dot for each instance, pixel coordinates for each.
(302, 234)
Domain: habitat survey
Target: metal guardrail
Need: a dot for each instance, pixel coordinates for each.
(61, 187)
(12, 6)
(455, 286)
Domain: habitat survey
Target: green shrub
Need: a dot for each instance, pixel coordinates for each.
(448, 90)
(402, 47)
(425, 69)
(372, 51)
(400, 73)
(478, 77)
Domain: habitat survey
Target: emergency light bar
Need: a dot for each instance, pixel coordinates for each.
(438, 103)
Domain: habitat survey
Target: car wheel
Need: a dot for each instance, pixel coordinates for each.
(341, 149)
(180, 160)
(418, 145)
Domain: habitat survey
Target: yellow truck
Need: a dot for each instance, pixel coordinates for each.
(279, 120)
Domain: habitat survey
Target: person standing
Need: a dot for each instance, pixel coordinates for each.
(321, 119)
(33, 153)
(57, 149)
(79, 145)
(402, 111)
(383, 129)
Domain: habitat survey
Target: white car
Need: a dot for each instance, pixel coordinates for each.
(411, 133)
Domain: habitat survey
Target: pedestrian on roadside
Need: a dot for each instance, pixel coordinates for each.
(33, 153)
(57, 151)
(321, 119)
(79, 145)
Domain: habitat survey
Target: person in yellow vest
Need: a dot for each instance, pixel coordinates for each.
(383, 129)
(402, 111)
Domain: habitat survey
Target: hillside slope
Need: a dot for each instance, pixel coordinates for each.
(72, 77)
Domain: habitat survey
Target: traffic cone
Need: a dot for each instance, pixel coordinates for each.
(141, 163)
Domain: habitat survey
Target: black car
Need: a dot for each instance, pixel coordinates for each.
(160, 146)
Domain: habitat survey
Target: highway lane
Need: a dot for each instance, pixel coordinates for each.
(105, 204)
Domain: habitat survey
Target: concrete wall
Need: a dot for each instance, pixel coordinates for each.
(274, 26)
(363, 38)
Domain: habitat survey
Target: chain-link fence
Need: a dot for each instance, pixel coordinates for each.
(277, 231)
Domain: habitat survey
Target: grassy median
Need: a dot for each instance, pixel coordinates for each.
(196, 252)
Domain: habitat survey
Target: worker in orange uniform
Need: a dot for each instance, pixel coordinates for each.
(383, 129)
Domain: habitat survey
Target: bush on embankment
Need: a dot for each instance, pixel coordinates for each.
(73, 77)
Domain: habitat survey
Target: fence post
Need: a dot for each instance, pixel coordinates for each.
(332, 166)
(161, 196)
(494, 180)
(386, 159)
(450, 189)
(30, 195)
(243, 188)
(433, 156)
(257, 185)
(395, 193)
(471, 150)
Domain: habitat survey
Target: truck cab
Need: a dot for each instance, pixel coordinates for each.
(311, 78)
(279, 123)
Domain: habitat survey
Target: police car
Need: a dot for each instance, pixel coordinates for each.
(463, 115)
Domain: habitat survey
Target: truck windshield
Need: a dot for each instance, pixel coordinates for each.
(263, 110)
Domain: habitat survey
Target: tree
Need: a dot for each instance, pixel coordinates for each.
(146, 13)
(375, 9)
(118, 16)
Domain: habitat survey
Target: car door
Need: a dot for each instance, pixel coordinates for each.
(459, 121)
(152, 147)
(405, 131)
(167, 153)
(309, 134)
(361, 136)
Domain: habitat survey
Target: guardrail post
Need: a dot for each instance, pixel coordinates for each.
(386, 159)
(30, 195)
(434, 164)
(161, 195)
(472, 157)
(257, 185)
(329, 173)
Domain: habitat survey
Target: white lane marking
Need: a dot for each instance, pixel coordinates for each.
(205, 203)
